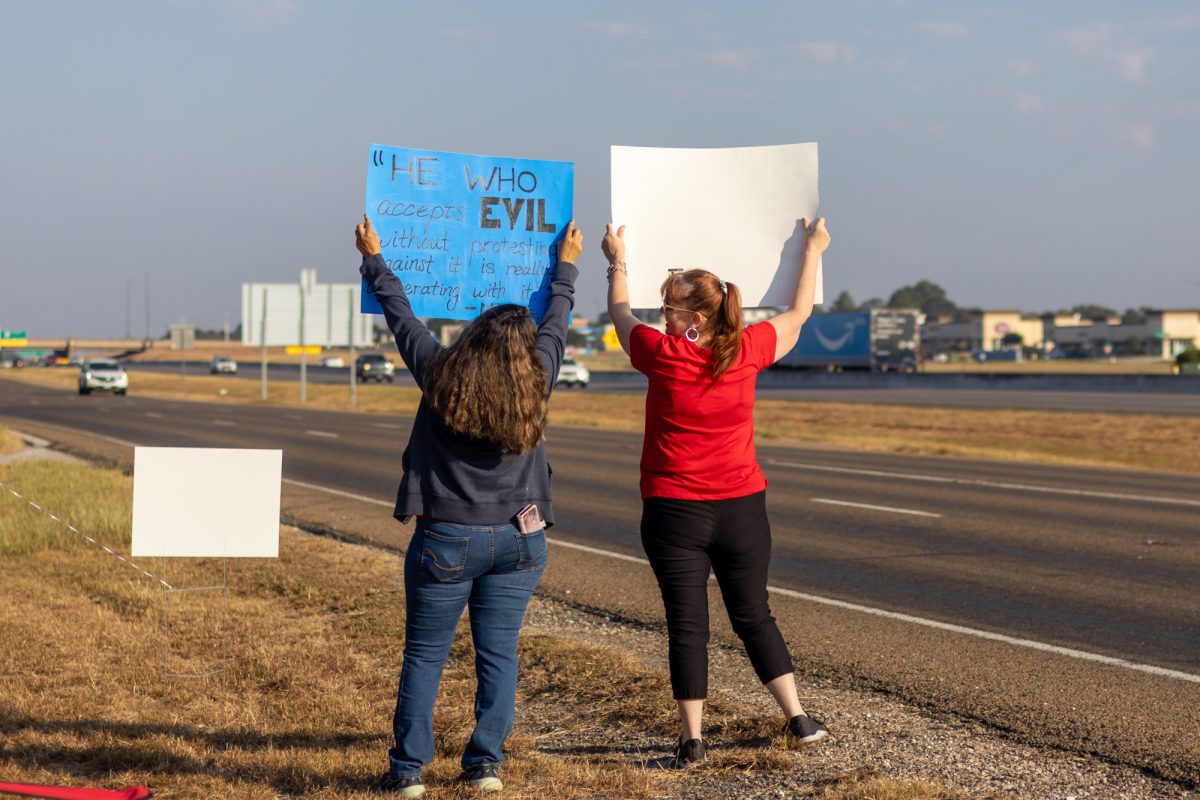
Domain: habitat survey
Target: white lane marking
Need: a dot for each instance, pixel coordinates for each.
(995, 637)
(875, 508)
(224, 422)
(387, 425)
(154, 414)
(829, 601)
(910, 476)
(339, 493)
(932, 623)
(325, 434)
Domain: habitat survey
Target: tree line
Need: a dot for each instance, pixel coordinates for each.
(932, 301)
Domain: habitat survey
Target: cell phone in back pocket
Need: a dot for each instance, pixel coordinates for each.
(529, 519)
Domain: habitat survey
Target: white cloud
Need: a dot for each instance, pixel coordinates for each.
(471, 35)
(1115, 47)
(260, 12)
(945, 30)
(733, 59)
(1027, 102)
(1090, 39)
(619, 30)
(827, 53)
(1140, 135)
(1023, 68)
(1132, 66)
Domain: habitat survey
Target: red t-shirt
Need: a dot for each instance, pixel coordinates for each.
(699, 442)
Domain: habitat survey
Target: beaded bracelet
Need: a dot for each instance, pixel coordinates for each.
(616, 266)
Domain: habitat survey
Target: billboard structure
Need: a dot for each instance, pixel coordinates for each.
(272, 314)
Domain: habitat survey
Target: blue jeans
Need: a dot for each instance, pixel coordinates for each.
(492, 570)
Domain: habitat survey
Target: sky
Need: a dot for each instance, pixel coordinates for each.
(1022, 155)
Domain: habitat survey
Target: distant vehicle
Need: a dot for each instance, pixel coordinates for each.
(981, 356)
(880, 340)
(9, 362)
(221, 364)
(1187, 363)
(573, 373)
(56, 360)
(332, 361)
(374, 367)
(102, 375)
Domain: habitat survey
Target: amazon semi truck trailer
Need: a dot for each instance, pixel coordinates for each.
(880, 340)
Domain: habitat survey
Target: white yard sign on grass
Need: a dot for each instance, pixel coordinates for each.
(733, 211)
(194, 502)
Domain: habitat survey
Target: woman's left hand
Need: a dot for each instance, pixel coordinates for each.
(572, 244)
(366, 239)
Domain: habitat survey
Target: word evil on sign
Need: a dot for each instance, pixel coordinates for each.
(464, 233)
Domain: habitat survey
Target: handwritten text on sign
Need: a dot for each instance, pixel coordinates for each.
(464, 233)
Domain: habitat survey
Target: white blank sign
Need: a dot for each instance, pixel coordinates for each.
(733, 211)
(195, 502)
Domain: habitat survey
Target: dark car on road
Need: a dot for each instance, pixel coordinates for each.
(374, 367)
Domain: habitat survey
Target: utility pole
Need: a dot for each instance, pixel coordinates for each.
(263, 340)
(307, 278)
(353, 376)
(146, 338)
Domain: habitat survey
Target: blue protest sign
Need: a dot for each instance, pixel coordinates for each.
(464, 233)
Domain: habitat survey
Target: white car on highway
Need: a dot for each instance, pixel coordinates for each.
(222, 364)
(573, 373)
(102, 375)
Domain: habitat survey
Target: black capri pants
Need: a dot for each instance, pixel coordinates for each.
(684, 539)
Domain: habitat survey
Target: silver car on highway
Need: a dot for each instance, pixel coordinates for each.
(102, 375)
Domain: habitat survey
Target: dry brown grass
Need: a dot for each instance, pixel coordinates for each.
(311, 644)
(8, 442)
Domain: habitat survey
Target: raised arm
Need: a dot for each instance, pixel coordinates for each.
(413, 339)
(787, 325)
(622, 318)
(552, 332)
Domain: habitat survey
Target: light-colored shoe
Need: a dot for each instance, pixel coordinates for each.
(410, 786)
(484, 777)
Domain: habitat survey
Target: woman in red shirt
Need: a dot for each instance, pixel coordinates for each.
(703, 493)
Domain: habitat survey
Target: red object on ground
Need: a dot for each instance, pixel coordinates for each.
(68, 793)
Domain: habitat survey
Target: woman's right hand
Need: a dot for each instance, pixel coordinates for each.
(572, 244)
(613, 244)
(365, 238)
(816, 238)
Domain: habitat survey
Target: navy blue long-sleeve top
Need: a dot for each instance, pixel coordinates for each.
(450, 476)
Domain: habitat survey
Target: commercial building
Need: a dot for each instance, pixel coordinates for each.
(1163, 333)
(982, 330)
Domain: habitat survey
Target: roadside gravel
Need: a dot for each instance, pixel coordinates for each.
(872, 734)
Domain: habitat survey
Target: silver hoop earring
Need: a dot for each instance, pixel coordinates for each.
(691, 334)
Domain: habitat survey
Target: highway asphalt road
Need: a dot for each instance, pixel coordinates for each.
(952, 397)
(1059, 605)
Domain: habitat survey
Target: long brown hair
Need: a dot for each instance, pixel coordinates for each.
(719, 302)
(490, 384)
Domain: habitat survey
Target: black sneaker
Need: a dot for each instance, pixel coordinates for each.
(405, 786)
(484, 777)
(803, 730)
(687, 753)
